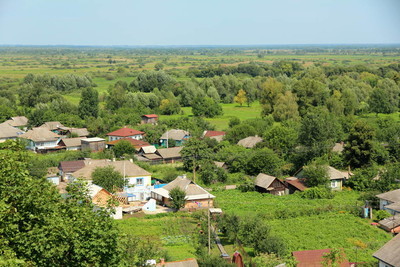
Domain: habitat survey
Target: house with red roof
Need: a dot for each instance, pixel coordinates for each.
(319, 258)
(137, 144)
(217, 135)
(149, 119)
(125, 133)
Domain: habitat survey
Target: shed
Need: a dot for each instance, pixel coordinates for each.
(391, 224)
(269, 184)
(68, 167)
(71, 143)
(170, 155)
(94, 144)
(294, 184)
(149, 119)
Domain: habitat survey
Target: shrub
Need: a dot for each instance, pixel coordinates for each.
(317, 193)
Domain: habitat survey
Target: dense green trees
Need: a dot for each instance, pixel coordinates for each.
(89, 103)
(33, 218)
(123, 147)
(206, 106)
(178, 200)
(108, 178)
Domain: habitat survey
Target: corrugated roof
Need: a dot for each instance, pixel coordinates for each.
(213, 133)
(134, 142)
(7, 131)
(391, 222)
(264, 180)
(71, 166)
(169, 153)
(125, 132)
(125, 166)
(297, 183)
(192, 190)
(72, 142)
(175, 134)
(40, 134)
(250, 142)
(390, 252)
(52, 125)
(313, 258)
(151, 116)
(148, 149)
(392, 196)
(394, 206)
(18, 121)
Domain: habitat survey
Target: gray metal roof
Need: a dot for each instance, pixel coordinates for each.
(392, 196)
(390, 252)
(264, 180)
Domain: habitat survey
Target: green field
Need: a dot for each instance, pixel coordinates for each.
(306, 224)
(230, 110)
(175, 233)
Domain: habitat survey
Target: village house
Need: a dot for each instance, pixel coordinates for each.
(125, 133)
(196, 196)
(336, 177)
(315, 258)
(170, 155)
(67, 168)
(269, 184)
(180, 136)
(53, 176)
(41, 140)
(389, 254)
(53, 126)
(250, 142)
(390, 201)
(20, 122)
(137, 144)
(217, 135)
(70, 131)
(294, 184)
(71, 143)
(101, 197)
(149, 119)
(9, 132)
(138, 180)
(93, 144)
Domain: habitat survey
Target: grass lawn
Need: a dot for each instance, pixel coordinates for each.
(174, 232)
(230, 110)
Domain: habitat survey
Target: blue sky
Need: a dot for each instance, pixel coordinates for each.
(201, 22)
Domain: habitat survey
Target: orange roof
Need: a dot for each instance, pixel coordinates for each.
(214, 133)
(313, 258)
(298, 183)
(134, 142)
(125, 132)
(151, 116)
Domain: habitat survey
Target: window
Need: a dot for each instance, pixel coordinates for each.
(139, 181)
(334, 184)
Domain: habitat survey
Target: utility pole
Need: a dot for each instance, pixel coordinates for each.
(209, 226)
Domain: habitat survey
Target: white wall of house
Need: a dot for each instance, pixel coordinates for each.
(74, 148)
(383, 264)
(140, 186)
(137, 137)
(383, 203)
(44, 145)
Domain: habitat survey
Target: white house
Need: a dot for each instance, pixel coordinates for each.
(125, 133)
(41, 139)
(138, 180)
(390, 201)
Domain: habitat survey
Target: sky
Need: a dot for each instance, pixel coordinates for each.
(198, 22)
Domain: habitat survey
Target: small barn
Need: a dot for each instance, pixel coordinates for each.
(149, 119)
(94, 144)
(294, 184)
(269, 184)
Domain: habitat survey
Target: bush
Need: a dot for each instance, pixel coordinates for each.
(381, 214)
(317, 193)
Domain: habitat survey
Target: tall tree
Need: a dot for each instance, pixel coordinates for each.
(89, 103)
(177, 196)
(108, 178)
(270, 90)
(241, 97)
(286, 108)
(359, 147)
